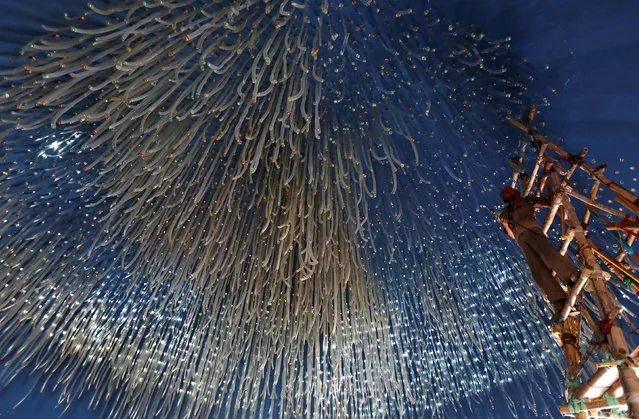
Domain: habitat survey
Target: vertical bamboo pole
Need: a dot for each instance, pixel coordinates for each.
(554, 206)
(605, 300)
(538, 163)
(593, 195)
(567, 239)
(570, 340)
(531, 115)
(520, 161)
(622, 252)
(630, 384)
(542, 182)
(576, 290)
(561, 192)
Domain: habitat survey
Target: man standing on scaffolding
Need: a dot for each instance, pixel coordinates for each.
(520, 223)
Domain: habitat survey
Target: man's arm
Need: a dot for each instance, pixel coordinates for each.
(503, 219)
(539, 202)
(507, 228)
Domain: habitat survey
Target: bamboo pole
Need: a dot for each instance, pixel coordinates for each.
(570, 328)
(538, 163)
(581, 392)
(616, 264)
(554, 206)
(632, 225)
(605, 364)
(544, 179)
(595, 204)
(632, 206)
(615, 390)
(561, 192)
(630, 384)
(596, 404)
(597, 414)
(622, 252)
(574, 293)
(593, 195)
(570, 332)
(567, 240)
(594, 379)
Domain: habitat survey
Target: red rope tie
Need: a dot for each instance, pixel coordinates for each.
(605, 326)
(572, 159)
(624, 223)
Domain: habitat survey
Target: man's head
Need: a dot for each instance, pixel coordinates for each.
(510, 195)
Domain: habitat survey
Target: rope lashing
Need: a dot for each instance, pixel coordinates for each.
(577, 405)
(605, 325)
(623, 225)
(611, 400)
(627, 248)
(572, 159)
(574, 383)
(628, 281)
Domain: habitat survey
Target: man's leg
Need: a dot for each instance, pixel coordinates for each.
(551, 256)
(542, 275)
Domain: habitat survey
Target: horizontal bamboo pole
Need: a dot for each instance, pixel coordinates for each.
(593, 381)
(597, 404)
(605, 364)
(632, 206)
(611, 415)
(595, 204)
(598, 414)
(631, 225)
(581, 392)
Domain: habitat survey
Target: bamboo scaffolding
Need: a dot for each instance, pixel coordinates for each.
(596, 173)
(606, 382)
